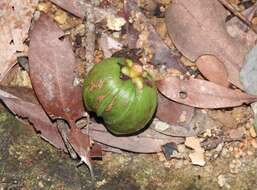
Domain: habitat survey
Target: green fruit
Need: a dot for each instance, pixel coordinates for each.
(122, 93)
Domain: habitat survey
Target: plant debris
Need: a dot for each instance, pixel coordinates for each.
(195, 50)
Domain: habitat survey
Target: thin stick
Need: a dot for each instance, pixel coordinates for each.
(239, 15)
(63, 130)
(89, 42)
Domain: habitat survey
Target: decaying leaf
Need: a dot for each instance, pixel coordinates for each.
(52, 65)
(81, 144)
(213, 69)
(203, 94)
(172, 112)
(23, 103)
(197, 157)
(149, 141)
(15, 18)
(198, 27)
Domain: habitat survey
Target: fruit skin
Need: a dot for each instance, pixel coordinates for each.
(125, 106)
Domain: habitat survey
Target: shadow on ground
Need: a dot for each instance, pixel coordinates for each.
(28, 162)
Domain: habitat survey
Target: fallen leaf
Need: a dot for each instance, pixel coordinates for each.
(52, 71)
(25, 106)
(96, 151)
(202, 94)
(198, 28)
(213, 69)
(197, 158)
(193, 143)
(149, 141)
(80, 142)
(170, 111)
(15, 22)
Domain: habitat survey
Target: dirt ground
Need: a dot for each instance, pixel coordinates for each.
(28, 162)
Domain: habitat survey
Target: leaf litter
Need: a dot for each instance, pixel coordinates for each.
(60, 99)
(15, 19)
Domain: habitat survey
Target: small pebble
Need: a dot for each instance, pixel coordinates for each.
(221, 180)
(252, 132)
(40, 184)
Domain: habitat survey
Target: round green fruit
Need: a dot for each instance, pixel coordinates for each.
(122, 93)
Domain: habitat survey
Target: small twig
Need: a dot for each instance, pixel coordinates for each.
(63, 129)
(89, 42)
(239, 15)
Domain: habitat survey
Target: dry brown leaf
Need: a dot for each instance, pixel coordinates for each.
(15, 19)
(149, 141)
(198, 27)
(197, 158)
(22, 102)
(213, 69)
(80, 142)
(52, 71)
(193, 142)
(171, 112)
(203, 94)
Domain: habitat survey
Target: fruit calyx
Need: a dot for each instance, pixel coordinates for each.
(135, 72)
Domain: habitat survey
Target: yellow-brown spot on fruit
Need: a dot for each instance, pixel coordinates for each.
(95, 85)
(100, 98)
(110, 105)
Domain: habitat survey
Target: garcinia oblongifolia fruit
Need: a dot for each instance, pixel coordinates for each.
(122, 93)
